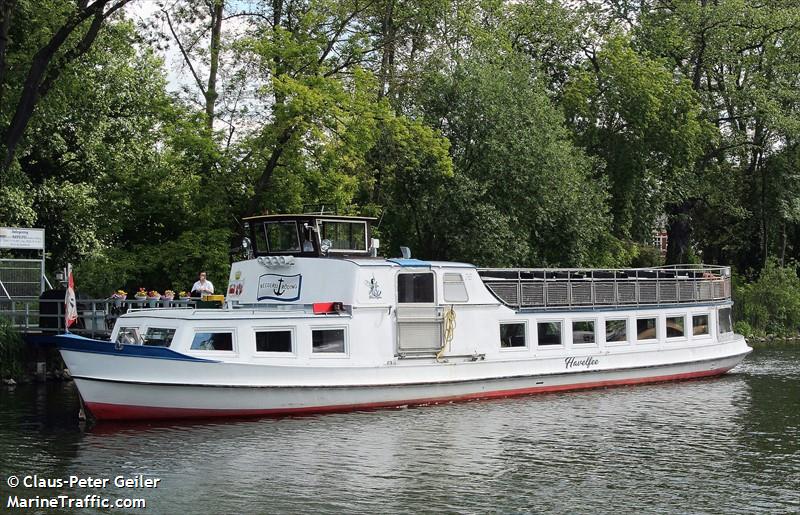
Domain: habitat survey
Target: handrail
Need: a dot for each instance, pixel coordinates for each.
(96, 317)
(549, 288)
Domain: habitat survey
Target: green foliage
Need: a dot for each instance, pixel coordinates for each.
(12, 350)
(165, 265)
(647, 127)
(533, 132)
(771, 304)
(510, 142)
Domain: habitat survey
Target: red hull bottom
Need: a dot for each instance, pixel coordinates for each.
(105, 411)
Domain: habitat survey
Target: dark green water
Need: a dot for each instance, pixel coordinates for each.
(725, 445)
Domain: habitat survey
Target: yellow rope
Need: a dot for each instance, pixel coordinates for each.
(449, 330)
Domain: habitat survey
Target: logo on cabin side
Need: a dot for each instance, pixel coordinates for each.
(374, 288)
(279, 287)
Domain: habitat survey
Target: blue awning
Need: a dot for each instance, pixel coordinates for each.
(410, 262)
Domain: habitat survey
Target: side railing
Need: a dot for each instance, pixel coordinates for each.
(548, 288)
(96, 317)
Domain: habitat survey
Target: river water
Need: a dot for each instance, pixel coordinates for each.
(724, 445)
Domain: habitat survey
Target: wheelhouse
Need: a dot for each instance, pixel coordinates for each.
(311, 235)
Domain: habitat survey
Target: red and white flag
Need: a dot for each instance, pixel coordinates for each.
(70, 306)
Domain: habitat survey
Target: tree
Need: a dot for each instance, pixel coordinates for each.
(73, 34)
(648, 129)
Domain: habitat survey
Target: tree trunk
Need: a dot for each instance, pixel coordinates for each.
(386, 73)
(269, 169)
(211, 91)
(6, 12)
(679, 232)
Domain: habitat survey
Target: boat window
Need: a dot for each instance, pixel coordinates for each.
(454, 288)
(282, 236)
(549, 333)
(675, 327)
(129, 335)
(274, 341)
(159, 336)
(616, 330)
(512, 335)
(344, 235)
(725, 321)
(415, 288)
(583, 331)
(646, 329)
(212, 341)
(699, 325)
(327, 340)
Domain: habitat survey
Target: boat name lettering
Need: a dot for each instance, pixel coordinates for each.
(279, 287)
(573, 362)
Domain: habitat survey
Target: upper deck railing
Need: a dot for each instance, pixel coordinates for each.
(551, 288)
(96, 317)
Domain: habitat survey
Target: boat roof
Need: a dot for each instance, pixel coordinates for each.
(306, 216)
(408, 263)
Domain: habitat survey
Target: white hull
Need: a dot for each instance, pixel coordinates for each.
(139, 395)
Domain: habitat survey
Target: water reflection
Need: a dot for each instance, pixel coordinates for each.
(708, 446)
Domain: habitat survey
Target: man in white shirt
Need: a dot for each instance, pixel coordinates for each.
(202, 287)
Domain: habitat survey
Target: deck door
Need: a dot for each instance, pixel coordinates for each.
(419, 319)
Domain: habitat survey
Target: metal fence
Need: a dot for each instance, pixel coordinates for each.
(576, 288)
(21, 278)
(96, 317)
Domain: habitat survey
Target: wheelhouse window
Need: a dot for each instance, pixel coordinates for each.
(512, 335)
(646, 329)
(675, 327)
(699, 325)
(549, 333)
(415, 288)
(129, 336)
(616, 330)
(583, 332)
(159, 336)
(281, 236)
(274, 341)
(344, 235)
(725, 321)
(327, 341)
(213, 341)
(454, 288)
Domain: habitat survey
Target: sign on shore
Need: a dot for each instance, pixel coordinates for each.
(19, 238)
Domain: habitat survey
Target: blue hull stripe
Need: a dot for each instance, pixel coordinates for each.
(73, 342)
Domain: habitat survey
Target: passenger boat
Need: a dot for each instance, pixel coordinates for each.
(313, 321)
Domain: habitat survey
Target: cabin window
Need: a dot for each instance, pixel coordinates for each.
(725, 320)
(616, 330)
(129, 335)
(583, 332)
(212, 341)
(159, 336)
(344, 235)
(549, 333)
(454, 288)
(282, 236)
(327, 340)
(512, 335)
(415, 288)
(274, 341)
(647, 329)
(675, 327)
(699, 325)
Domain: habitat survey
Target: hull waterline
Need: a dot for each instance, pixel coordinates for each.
(110, 400)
